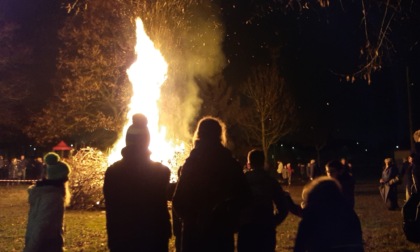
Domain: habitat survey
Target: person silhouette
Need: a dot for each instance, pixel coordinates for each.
(210, 192)
(259, 219)
(135, 191)
(47, 201)
(328, 223)
(335, 169)
(390, 180)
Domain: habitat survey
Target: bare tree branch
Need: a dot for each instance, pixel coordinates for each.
(270, 111)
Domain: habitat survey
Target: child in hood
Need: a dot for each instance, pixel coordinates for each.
(47, 201)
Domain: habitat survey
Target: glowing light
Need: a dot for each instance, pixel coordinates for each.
(147, 74)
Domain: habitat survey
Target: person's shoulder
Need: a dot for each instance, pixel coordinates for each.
(160, 168)
(227, 152)
(227, 155)
(115, 168)
(115, 164)
(194, 156)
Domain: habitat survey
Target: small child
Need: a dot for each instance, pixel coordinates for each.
(47, 201)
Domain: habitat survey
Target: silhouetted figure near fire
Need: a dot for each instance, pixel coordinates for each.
(210, 192)
(257, 232)
(328, 224)
(135, 190)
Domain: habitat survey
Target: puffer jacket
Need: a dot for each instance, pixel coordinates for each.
(44, 231)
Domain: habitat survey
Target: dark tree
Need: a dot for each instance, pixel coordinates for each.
(15, 83)
(91, 85)
(270, 113)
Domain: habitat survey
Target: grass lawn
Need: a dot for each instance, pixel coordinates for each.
(85, 230)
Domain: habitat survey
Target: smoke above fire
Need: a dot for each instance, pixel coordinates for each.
(193, 50)
(169, 61)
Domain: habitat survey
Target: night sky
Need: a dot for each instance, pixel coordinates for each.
(312, 49)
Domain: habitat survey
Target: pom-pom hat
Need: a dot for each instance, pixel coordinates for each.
(51, 158)
(138, 133)
(56, 169)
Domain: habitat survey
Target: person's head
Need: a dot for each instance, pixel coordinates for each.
(322, 192)
(334, 168)
(138, 134)
(387, 161)
(256, 159)
(56, 169)
(210, 129)
(343, 161)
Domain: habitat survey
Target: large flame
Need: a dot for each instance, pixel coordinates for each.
(147, 75)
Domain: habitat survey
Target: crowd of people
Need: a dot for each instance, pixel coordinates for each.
(285, 173)
(213, 199)
(21, 168)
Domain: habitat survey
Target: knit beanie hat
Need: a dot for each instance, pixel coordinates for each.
(138, 133)
(56, 169)
(51, 158)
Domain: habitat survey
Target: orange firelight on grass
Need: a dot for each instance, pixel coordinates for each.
(147, 74)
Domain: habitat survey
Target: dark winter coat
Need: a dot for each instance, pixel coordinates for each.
(329, 229)
(257, 231)
(208, 197)
(406, 172)
(347, 183)
(44, 231)
(390, 177)
(137, 216)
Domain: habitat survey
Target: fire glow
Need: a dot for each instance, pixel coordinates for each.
(147, 74)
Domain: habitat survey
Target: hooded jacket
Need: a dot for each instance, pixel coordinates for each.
(44, 231)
